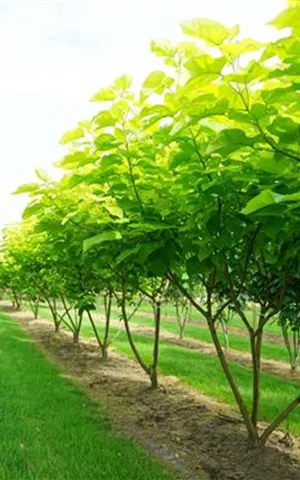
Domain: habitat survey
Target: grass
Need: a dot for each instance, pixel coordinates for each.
(203, 372)
(270, 350)
(169, 311)
(49, 428)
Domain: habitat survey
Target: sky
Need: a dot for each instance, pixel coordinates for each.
(55, 54)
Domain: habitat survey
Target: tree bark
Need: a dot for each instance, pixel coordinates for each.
(252, 432)
(153, 374)
(279, 419)
(256, 342)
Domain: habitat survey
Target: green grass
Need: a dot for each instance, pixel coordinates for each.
(204, 373)
(270, 350)
(169, 311)
(49, 428)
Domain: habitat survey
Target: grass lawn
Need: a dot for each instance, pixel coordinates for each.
(203, 372)
(49, 428)
(270, 350)
(169, 311)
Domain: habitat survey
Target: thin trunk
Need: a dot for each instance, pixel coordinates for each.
(130, 339)
(181, 317)
(279, 419)
(72, 326)
(254, 317)
(256, 342)
(284, 329)
(77, 329)
(253, 435)
(153, 374)
(181, 332)
(53, 310)
(252, 432)
(35, 309)
(225, 331)
(107, 307)
(101, 345)
(16, 299)
(178, 320)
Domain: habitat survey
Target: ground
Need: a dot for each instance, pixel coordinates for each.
(50, 429)
(197, 437)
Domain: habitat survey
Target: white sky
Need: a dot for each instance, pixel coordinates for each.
(55, 55)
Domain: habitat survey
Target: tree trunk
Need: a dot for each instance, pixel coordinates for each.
(252, 432)
(255, 342)
(102, 346)
(129, 336)
(16, 299)
(108, 307)
(36, 309)
(104, 354)
(153, 370)
(279, 419)
(76, 337)
(154, 379)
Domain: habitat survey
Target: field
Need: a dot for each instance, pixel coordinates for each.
(125, 393)
(50, 429)
(153, 284)
(202, 371)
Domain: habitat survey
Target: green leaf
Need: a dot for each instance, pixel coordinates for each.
(152, 115)
(291, 197)
(108, 236)
(272, 227)
(76, 159)
(288, 18)
(106, 141)
(193, 266)
(104, 95)
(204, 252)
(162, 48)
(246, 45)
(129, 252)
(264, 199)
(31, 210)
(211, 32)
(205, 65)
(104, 119)
(114, 210)
(112, 160)
(42, 174)
(228, 141)
(27, 188)
(72, 135)
(124, 82)
(157, 81)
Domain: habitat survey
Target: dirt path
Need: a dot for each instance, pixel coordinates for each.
(201, 439)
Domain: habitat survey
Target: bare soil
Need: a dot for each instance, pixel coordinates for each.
(198, 438)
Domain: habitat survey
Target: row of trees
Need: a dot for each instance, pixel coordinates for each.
(190, 184)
